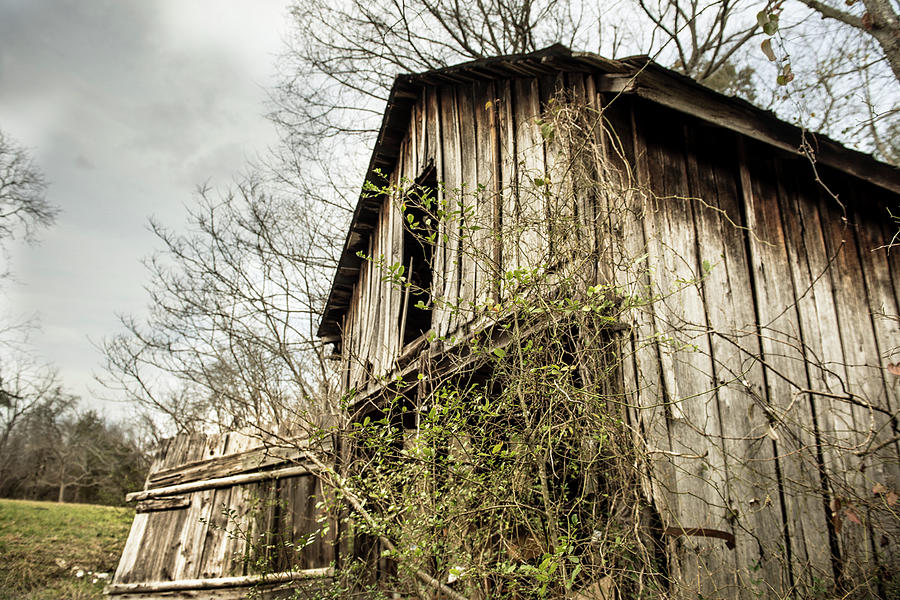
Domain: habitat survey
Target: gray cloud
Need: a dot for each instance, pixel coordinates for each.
(127, 106)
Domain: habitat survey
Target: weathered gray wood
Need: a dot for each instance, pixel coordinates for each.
(435, 122)
(219, 482)
(788, 329)
(485, 152)
(216, 583)
(232, 464)
(530, 234)
(749, 453)
(509, 209)
(471, 230)
(861, 373)
(627, 248)
(157, 504)
(453, 194)
(686, 369)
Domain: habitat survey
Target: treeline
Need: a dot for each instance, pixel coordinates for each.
(60, 452)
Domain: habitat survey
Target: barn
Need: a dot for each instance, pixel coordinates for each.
(755, 299)
(603, 333)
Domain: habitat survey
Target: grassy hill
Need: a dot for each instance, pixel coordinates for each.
(45, 546)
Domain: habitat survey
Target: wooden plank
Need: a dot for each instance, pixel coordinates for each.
(396, 254)
(788, 315)
(185, 558)
(131, 555)
(487, 172)
(440, 313)
(231, 464)
(220, 482)
(157, 504)
(687, 383)
(749, 453)
(509, 210)
(860, 371)
(531, 231)
(215, 583)
(624, 209)
(472, 238)
(451, 177)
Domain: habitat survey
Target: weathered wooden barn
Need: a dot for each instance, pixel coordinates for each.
(756, 368)
(760, 381)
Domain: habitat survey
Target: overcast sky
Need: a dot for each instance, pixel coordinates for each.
(126, 107)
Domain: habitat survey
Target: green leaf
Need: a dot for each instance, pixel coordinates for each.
(706, 266)
(497, 447)
(499, 352)
(771, 25)
(547, 131)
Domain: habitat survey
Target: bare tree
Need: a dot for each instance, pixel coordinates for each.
(230, 339)
(23, 205)
(876, 18)
(27, 389)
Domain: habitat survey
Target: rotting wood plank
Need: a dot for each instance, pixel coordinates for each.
(397, 250)
(509, 209)
(229, 464)
(131, 553)
(686, 368)
(220, 482)
(452, 173)
(530, 234)
(470, 242)
(883, 523)
(214, 583)
(189, 541)
(625, 208)
(157, 504)
(862, 376)
(435, 122)
(484, 150)
(787, 324)
(749, 452)
(826, 365)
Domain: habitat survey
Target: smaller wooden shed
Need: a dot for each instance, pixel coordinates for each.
(226, 516)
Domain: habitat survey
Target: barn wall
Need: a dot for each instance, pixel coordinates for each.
(482, 140)
(797, 299)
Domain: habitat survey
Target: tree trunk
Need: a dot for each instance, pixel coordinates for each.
(62, 493)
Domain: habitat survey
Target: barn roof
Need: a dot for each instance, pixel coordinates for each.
(638, 76)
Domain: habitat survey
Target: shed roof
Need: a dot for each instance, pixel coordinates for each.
(637, 75)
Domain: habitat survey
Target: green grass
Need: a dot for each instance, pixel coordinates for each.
(44, 544)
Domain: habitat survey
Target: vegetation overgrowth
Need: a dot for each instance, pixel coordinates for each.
(57, 551)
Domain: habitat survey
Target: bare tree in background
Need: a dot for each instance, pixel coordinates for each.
(879, 19)
(230, 340)
(27, 388)
(23, 205)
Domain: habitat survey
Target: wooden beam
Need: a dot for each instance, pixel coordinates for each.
(219, 482)
(216, 583)
(158, 504)
(230, 464)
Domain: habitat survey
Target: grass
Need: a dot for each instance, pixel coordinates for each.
(44, 545)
